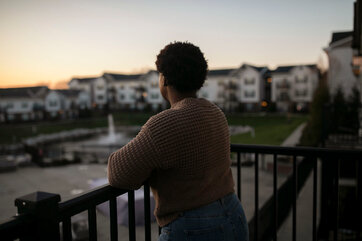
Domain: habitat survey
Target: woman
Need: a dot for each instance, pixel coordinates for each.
(184, 153)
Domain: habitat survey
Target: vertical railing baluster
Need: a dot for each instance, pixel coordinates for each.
(315, 170)
(336, 197)
(113, 215)
(275, 195)
(147, 211)
(256, 215)
(295, 193)
(67, 229)
(131, 216)
(92, 223)
(159, 230)
(239, 176)
(359, 197)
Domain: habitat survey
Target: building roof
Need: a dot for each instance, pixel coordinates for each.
(68, 92)
(84, 80)
(262, 69)
(219, 72)
(287, 68)
(336, 36)
(24, 92)
(121, 77)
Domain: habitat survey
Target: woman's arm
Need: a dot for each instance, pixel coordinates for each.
(131, 165)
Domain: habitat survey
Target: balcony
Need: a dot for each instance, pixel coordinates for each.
(40, 214)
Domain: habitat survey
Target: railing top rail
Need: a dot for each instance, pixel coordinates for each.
(84, 201)
(10, 228)
(297, 151)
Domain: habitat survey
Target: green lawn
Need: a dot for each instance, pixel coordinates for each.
(13, 133)
(269, 130)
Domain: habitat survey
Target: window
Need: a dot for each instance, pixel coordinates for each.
(154, 96)
(204, 95)
(10, 105)
(154, 85)
(121, 87)
(100, 87)
(53, 103)
(301, 80)
(283, 97)
(100, 97)
(249, 81)
(301, 93)
(121, 96)
(249, 93)
(24, 105)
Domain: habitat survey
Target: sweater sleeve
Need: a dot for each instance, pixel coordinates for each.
(131, 165)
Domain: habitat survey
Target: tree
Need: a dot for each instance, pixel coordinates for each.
(354, 106)
(339, 111)
(313, 132)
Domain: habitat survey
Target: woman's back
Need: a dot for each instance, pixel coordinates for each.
(189, 150)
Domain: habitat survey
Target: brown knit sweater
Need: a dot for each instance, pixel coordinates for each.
(184, 152)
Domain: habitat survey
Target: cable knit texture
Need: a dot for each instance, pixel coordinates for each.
(184, 153)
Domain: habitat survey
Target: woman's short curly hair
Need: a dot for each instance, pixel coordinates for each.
(183, 65)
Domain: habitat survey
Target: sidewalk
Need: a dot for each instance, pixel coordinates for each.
(304, 203)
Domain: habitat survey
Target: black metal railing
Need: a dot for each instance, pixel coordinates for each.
(39, 214)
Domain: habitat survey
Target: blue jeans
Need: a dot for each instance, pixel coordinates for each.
(221, 220)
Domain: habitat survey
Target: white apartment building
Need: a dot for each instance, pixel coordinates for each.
(153, 96)
(23, 104)
(340, 72)
(84, 84)
(251, 86)
(66, 103)
(215, 88)
(294, 86)
(125, 91)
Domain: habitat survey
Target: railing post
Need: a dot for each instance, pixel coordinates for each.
(43, 207)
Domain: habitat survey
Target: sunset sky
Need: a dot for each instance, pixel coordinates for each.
(48, 42)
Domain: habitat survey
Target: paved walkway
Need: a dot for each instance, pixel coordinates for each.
(293, 139)
(304, 202)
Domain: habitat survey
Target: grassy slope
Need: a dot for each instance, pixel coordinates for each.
(12, 133)
(269, 130)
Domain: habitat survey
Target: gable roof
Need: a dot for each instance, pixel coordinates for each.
(68, 92)
(287, 68)
(121, 77)
(84, 80)
(262, 69)
(336, 36)
(220, 72)
(24, 92)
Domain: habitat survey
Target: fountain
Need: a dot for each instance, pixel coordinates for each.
(112, 137)
(98, 148)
